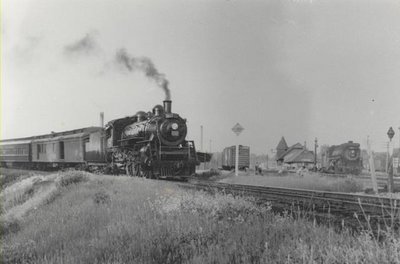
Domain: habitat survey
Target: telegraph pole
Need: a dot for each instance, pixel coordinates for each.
(390, 134)
(372, 167)
(201, 145)
(315, 152)
(201, 137)
(210, 154)
(398, 161)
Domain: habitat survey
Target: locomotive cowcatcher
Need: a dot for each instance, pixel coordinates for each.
(151, 144)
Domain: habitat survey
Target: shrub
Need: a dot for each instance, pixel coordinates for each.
(208, 174)
(22, 198)
(73, 177)
(348, 185)
(7, 179)
(8, 226)
(155, 222)
(101, 197)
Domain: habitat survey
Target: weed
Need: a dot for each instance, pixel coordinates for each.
(307, 182)
(9, 226)
(155, 222)
(72, 177)
(208, 174)
(102, 197)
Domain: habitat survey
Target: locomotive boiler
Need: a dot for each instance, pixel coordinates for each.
(342, 159)
(151, 144)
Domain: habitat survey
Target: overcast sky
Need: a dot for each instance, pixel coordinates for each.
(295, 68)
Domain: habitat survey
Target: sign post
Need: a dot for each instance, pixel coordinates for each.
(237, 129)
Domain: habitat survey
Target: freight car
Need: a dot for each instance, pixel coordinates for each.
(342, 159)
(229, 157)
(151, 144)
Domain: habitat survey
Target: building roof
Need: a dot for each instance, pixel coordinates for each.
(299, 156)
(282, 145)
(296, 146)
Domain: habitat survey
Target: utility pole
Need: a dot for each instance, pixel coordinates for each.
(372, 167)
(390, 134)
(201, 137)
(398, 162)
(201, 145)
(101, 119)
(315, 152)
(210, 154)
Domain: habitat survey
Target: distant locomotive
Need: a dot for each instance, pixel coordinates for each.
(151, 144)
(342, 159)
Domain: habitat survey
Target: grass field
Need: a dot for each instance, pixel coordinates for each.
(104, 219)
(309, 181)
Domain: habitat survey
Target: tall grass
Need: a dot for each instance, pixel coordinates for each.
(9, 176)
(131, 220)
(308, 182)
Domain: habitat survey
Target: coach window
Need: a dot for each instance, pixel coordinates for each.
(62, 150)
(38, 151)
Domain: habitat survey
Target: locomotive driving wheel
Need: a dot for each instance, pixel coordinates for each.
(132, 169)
(148, 174)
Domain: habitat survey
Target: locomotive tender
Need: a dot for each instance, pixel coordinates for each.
(151, 144)
(345, 158)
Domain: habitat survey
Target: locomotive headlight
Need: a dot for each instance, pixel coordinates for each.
(174, 126)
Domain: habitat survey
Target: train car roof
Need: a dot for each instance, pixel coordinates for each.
(49, 139)
(85, 130)
(14, 142)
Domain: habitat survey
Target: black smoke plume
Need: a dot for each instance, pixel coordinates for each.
(144, 65)
(85, 45)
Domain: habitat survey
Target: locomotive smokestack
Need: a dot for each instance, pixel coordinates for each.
(167, 106)
(101, 119)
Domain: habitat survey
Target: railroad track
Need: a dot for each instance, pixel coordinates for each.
(382, 180)
(381, 177)
(342, 205)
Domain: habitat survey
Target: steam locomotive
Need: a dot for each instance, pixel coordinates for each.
(342, 159)
(151, 145)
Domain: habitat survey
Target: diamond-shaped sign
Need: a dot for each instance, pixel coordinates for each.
(237, 129)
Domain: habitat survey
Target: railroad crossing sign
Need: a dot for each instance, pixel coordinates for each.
(237, 129)
(390, 133)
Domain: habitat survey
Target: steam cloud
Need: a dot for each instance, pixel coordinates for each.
(144, 65)
(85, 45)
